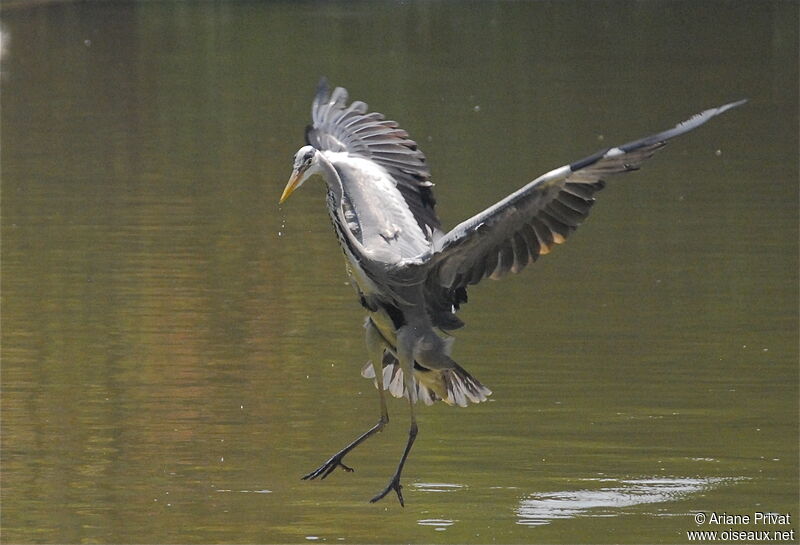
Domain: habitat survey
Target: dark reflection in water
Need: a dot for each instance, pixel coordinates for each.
(177, 350)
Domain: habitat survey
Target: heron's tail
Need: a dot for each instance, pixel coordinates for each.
(454, 386)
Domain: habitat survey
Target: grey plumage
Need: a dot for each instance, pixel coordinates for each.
(410, 276)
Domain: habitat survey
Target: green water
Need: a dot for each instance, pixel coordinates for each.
(177, 350)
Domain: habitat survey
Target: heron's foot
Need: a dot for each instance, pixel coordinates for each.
(327, 468)
(395, 485)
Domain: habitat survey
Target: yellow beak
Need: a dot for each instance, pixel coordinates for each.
(294, 181)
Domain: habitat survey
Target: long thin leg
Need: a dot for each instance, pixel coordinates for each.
(336, 460)
(394, 483)
(405, 342)
(375, 346)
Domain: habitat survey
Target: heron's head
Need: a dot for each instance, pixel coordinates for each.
(305, 165)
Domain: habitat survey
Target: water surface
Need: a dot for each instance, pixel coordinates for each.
(178, 350)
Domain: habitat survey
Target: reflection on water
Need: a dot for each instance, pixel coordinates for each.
(264, 491)
(4, 41)
(439, 525)
(438, 487)
(607, 501)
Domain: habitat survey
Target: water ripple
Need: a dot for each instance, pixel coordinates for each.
(439, 487)
(439, 524)
(540, 509)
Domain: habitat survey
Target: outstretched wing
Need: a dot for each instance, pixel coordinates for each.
(338, 127)
(517, 230)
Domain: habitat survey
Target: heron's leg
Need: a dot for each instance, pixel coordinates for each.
(394, 483)
(407, 362)
(375, 346)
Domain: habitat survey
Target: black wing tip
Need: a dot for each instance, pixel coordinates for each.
(681, 128)
(659, 139)
(704, 116)
(725, 107)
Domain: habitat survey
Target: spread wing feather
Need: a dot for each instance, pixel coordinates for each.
(338, 127)
(514, 232)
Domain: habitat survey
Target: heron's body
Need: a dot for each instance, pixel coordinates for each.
(374, 210)
(410, 275)
(374, 224)
(371, 212)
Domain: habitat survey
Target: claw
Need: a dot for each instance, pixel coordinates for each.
(327, 468)
(336, 460)
(395, 485)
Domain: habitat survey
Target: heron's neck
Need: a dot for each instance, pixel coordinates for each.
(331, 177)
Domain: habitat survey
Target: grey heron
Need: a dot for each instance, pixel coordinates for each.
(410, 275)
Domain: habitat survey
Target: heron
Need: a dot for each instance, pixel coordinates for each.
(410, 275)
